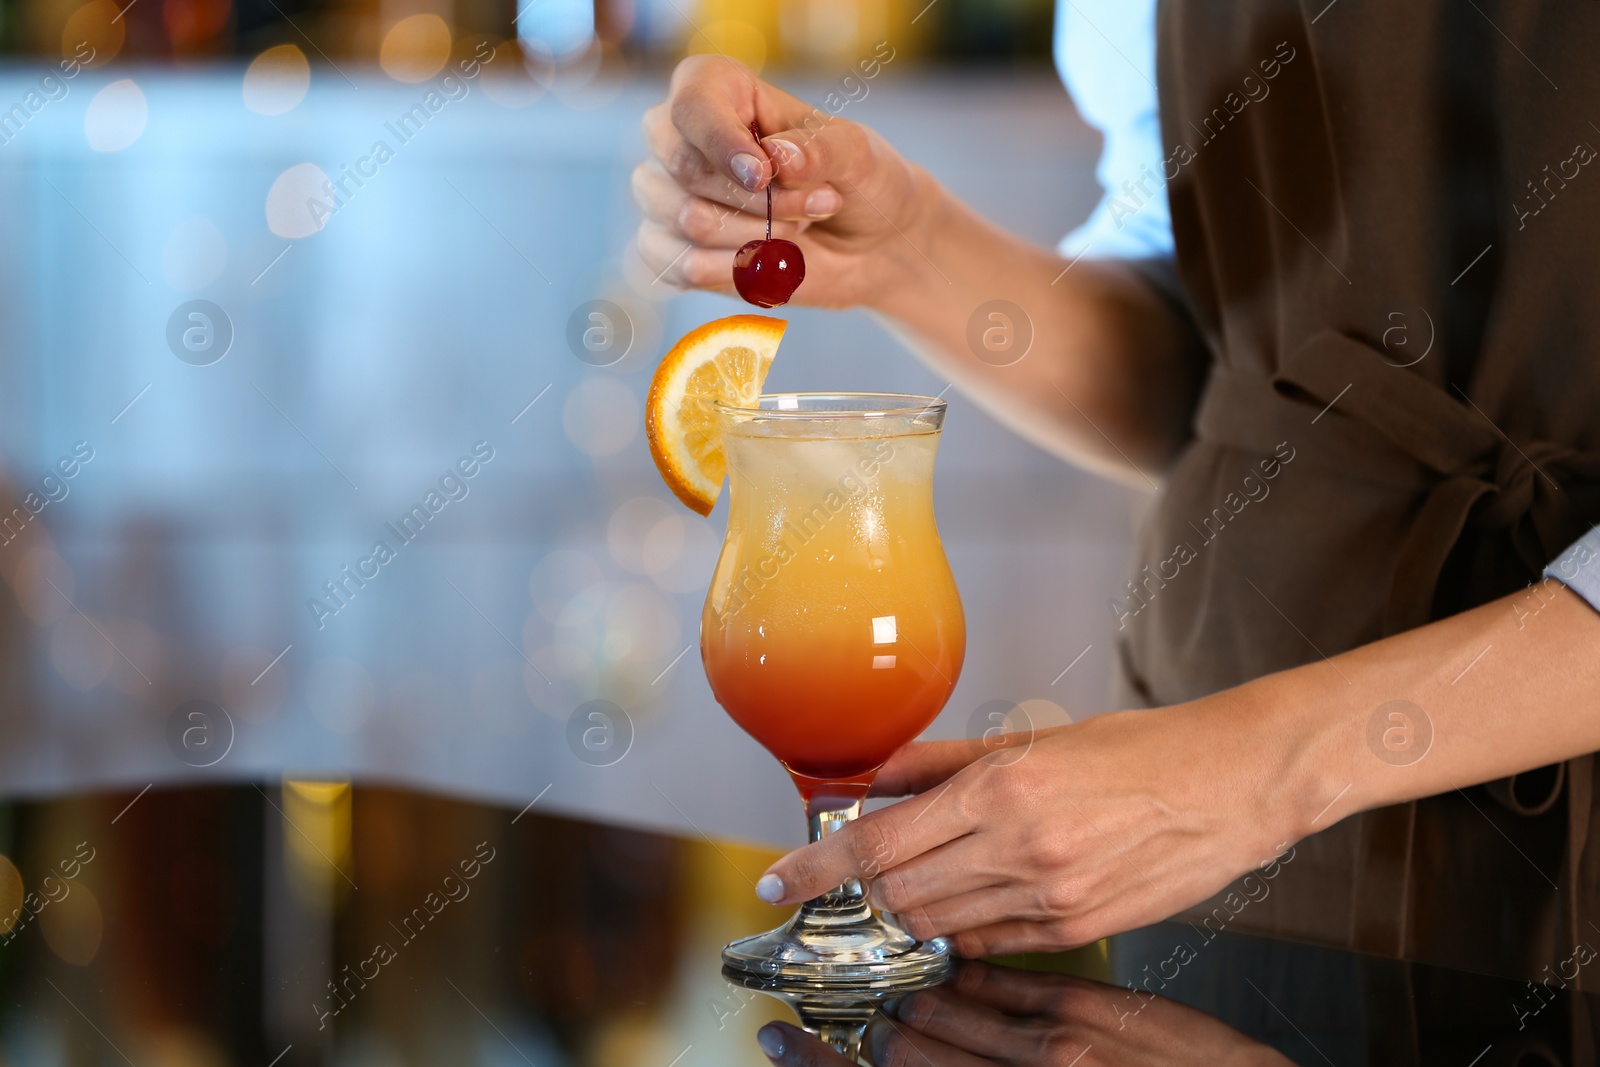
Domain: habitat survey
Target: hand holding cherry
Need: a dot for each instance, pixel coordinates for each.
(840, 196)
(767, 272)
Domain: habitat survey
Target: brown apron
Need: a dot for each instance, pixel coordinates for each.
(1391, 246)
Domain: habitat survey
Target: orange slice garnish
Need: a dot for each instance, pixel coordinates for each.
(725, 360)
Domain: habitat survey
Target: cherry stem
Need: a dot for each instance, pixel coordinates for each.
(755, 131)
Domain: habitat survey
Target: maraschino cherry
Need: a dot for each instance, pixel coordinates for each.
(767, 273)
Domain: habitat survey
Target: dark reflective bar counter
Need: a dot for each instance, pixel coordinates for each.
(299, 922)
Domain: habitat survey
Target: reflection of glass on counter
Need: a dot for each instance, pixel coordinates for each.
(182, 929)
(987, 1014)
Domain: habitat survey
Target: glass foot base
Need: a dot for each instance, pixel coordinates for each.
(833, 964)
(838, 943)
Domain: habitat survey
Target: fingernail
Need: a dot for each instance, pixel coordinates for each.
(788, 153)
(891, 1007)
(823, 202)
(770, 1038)
(891, 918)
(747, 169)
(770, 888)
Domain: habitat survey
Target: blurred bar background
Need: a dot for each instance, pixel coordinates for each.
(369, 320)
(405, 36)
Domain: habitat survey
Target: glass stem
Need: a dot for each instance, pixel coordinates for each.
(845, 1037)
(821, 823)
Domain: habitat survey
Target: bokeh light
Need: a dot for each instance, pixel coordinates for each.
(43, 584)
(116, 116)
(191, 23)
(317, 850)
(680, 553)
(832, 32)
(93, 26)
(178, 1046)
(560, 28)
(78, 653)
(631, 527)
(575, 76)
(11, 893)
(415, 48)
(557, 661)
(277, 80)
(663, 544)
(642, 628)
(511, 78)
(73, 924)
(581, 611)
(732, 38)
(299, 202)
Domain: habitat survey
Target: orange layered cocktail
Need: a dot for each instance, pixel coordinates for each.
(833, 632)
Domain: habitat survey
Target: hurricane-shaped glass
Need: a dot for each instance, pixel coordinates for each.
(833, 634)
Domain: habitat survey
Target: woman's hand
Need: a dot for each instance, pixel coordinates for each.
(839, 190)
(1128, 818)
(1000, 1015)
(1112, 378)
(997, 1015)
(1097, 828)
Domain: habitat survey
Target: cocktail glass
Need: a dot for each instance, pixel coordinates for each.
(833, 634)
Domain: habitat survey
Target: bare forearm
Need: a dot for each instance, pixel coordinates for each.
(1506, 687)
(1110, 379)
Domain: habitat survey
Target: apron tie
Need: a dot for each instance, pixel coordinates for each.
(1340, 402)
(1348, 410)
(1486, 481)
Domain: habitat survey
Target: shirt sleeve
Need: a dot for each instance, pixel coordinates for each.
(1105, 51)
(1578, 568)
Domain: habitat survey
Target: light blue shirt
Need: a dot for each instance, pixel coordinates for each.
(1578, 568)
(1105, 51)
(1106, 54)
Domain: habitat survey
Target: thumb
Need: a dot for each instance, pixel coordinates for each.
(921, 766)
(790, 1046)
